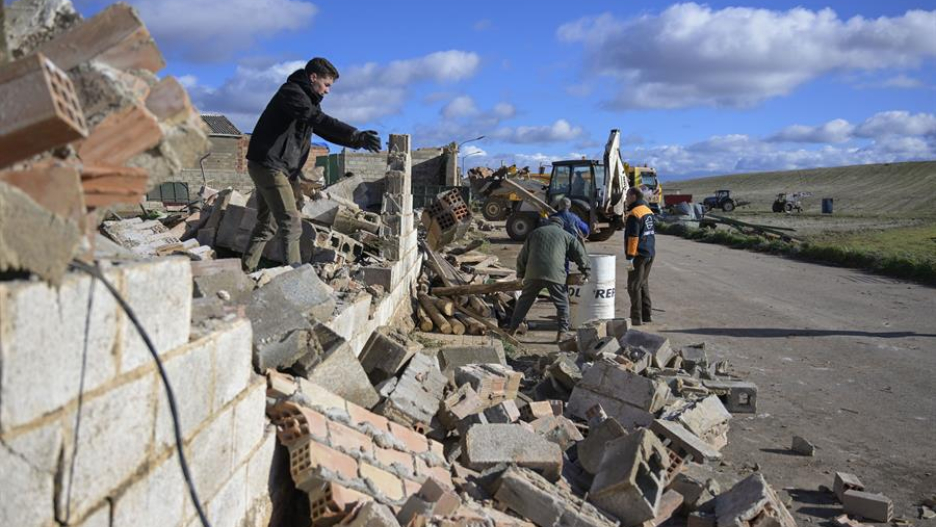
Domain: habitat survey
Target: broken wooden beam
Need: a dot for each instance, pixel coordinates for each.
(478, 289)
(39, 109)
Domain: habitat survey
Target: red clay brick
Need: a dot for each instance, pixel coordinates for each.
(388, 484)
(331, 503)
(305, 460)
(423, 471)
(388, 457)
(348, 438)
(415, 442)
(360, 415)
(436, 448)
(411, 487)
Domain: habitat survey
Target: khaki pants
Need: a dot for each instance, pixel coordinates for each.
(276, 214)
(558, 293)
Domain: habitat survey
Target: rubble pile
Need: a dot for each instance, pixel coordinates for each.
(87, 125)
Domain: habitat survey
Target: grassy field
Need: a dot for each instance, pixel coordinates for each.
(884, 216)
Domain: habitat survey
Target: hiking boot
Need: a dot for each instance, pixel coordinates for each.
(635, 322)
(562, 336)
(647, 320)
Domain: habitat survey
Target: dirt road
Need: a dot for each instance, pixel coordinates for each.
(842, 358)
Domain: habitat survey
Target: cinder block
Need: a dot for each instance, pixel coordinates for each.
(845, 481)
(485, 446)
(543, 503)
(591, 449)
(631, 478)
(155, 500)
(505, 412)
(874, 507)
(617, 327)
(116, 434)
(250, 416)
(669, 503)
(385, 353)
(590, 333)
(29, 388)
(707, 419)
(684, 442)
(658, 347)
(214, 450)
(604, 347)
(628, 397)
(459, 405)
(536, 410)
(160, 293)
(232, 362)
(29, 464)
(259, 470)
(493, 383)
(452, 357)
(752, 498)
(187, 373)
(229, 506)
(558, 430)
(415, 399)
(340, 373)
(737, 396)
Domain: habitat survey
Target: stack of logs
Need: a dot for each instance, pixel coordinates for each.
(457, 294)
(86, 124)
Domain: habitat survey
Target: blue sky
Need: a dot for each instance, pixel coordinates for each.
(695, 88)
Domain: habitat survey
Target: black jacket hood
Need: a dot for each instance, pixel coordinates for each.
(301, 78)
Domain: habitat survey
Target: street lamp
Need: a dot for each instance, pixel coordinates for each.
(462, 164)
(480, 137)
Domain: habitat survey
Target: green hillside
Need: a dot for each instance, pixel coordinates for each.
(892, 189)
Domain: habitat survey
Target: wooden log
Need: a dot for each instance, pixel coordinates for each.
(39, 109)
(438, 319)
(472, 326)
(491, 327)
(478, 289)
(479, 306)
(446, 306)
(116, 36)
(425, 323)
(457, 327)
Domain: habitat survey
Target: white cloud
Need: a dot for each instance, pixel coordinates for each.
(897, 123)
(834, 131)
(559, 131)
(903, 81)
(188, 81)
(482, 25)
(693, 55)
(213, 30)
(462, 106)
(362, 94)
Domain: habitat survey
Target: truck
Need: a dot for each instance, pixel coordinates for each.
(645, 178)
(595, 187)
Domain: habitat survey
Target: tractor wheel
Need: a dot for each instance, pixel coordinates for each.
(602, 235)
(520, 225)
(788, 207)
(494, 210)
(777, 206)
(727, 206)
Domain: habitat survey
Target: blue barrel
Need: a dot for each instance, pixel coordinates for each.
(827, 205)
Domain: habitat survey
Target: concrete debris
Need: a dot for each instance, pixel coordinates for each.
(648, 343)
(415, 398)
(707, 419)
(503, 413)
(557, 429)
(446, 219)
(386, 352)
(874, 507)
(492, 382)
(628, 397)
(433, 499)
(338, 370)
(452, 357)
(683, 441)
(370, 514)
(591, 449)
(737, 396)
(750, 503)
(803, 447)
(845, 482)
(695, 487)
(631, 478)
(545, 504)
(460, 404)
(487, 445)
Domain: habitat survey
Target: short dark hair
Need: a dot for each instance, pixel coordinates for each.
(321, 67)
(636, 192)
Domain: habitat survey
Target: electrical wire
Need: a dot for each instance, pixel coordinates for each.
(186, 474)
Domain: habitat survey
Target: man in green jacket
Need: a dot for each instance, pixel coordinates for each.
(541, 265)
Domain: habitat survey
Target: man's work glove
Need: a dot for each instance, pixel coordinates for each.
(629, 266)
(368, 140)
(585, 277)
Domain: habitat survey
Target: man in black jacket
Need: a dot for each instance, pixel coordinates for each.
(279, 147)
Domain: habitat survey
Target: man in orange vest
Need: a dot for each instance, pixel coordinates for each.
(640, 250)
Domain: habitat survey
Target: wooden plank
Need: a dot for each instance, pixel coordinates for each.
(479, 289)
(115, 36)
(39, 109)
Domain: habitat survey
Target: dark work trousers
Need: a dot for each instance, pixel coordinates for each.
(276, 215)
(531, 288)
(638, 287)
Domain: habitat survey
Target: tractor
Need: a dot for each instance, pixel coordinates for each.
(789, 202)
(721, 200)
(595, 187)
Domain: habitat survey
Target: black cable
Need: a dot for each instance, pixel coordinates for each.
(96, 273)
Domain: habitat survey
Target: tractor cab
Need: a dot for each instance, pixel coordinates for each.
(581, 181)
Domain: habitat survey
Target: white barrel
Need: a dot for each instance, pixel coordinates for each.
(595, 298)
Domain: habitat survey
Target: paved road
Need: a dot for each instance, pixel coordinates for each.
(843, 358)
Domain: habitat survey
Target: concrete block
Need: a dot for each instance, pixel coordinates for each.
(751, 500)
(250, 416)
(657, 346)
(707, 419)
(493, 382)
(684, 442)
(376, 275)
(485, 446)
(694, 357)
(737, 396)
(416, 397)
(194, 396)
(261, 471)
(505, 412)
(452, 357)
(631, 478)
(29, 464)
(232, 362)
(802, 446)
(669, 504)
(28, 387)
(558, 430)
(433, 499)
(160, 293)
(617, 327)
(230, 279)
(214, 450)
(537, 409)
(629, 416)
(115, 439)
(604, 347)
(532, 497)
(321, 211)
(459, 405)
(385, 353)
(340, 373)
(229, 506)
(874, 507)
(845, 481)
(589, 333)
(155, 500)
(591, 449)
(697, 485)
(566, 372)
(628, 397)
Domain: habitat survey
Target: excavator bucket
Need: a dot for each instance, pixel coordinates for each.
(615, 184)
